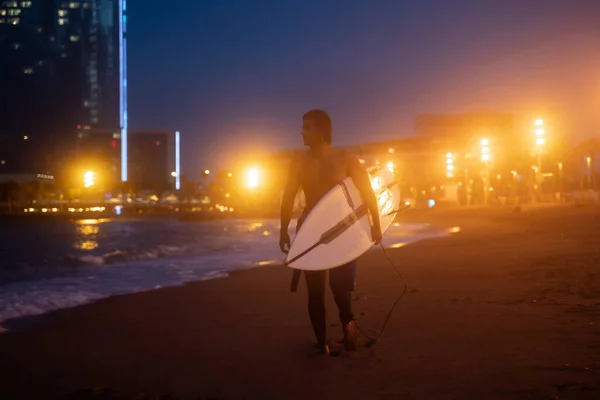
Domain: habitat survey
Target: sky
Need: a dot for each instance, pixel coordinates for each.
(236, 76)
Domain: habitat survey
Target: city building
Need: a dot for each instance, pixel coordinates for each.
(462, 134)
(418, 163)
(99, 151)
(153, 162)
(63, 69)
(452, 127)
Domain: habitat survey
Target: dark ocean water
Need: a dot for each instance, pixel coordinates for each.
(48, 264)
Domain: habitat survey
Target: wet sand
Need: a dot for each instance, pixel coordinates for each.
(506, 309)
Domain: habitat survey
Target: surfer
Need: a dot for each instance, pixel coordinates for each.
(317, 171)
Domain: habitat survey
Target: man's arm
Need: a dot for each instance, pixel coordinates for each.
(361, 179)
(289, 195)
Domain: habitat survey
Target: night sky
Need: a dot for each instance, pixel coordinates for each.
(235, 77)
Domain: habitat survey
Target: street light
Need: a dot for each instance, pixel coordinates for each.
(588, 161)
(560, 181)
(449, 165)
(390, 166)
(485, 159)
(89, 179)
(485, 151)
(206, 172)
(540, 135)
(540, 141)
(252, 178)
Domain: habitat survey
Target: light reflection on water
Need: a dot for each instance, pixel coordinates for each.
(87, 233)
(269, 262)
(254, 226)
(401, 233)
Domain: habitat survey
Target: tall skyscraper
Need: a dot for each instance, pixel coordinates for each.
(63, 72)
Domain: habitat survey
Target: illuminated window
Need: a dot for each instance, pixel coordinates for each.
(16, 11)
(2, 12)
(28, 71)
(74, 38)
(16, 46)
(3, 162)
(62, 13)
(14, 21)
(2, 21)
(26, 4)
(73, 4)
(9, 3)
(62, 21)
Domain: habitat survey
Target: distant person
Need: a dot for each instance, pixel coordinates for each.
(462, 193)
(316, 171)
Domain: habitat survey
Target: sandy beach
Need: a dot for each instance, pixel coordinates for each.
(507, 308)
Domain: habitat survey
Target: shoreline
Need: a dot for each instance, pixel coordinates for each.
(68, 299)
(505, 309)
(412, 213)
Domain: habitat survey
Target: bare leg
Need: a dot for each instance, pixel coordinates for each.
(342, 281)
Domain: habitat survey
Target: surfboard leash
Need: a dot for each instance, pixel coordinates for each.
(371, 340)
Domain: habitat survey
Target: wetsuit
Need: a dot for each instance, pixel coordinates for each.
(342, 281)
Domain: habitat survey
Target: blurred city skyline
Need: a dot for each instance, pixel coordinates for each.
(236, 76)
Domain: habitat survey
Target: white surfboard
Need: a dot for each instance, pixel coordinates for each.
(338, 229)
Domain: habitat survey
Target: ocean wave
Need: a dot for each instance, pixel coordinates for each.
(124, 256)
(122, 272)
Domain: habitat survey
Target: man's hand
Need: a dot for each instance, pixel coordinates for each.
(376, 234)
(284, 242)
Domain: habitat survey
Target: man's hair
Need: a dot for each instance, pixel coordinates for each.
(322, 123)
